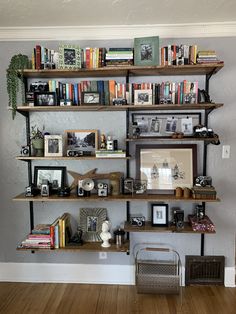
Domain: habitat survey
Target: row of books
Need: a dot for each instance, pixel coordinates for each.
(42, 58)
(157, 93)
(178, 55)
(50, 236)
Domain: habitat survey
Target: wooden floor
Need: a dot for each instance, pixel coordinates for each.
(112, 299)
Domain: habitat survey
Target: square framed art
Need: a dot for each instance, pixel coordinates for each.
(146, 51)
(159, 215)
(69, 57)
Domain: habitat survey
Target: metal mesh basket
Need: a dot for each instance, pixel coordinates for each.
(157, 275)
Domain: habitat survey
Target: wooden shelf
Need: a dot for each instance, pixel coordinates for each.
(88, 246)
(171, 229)
(143, 197)
(197, 69)
(178, 107)
(163, 139)
(25, 158)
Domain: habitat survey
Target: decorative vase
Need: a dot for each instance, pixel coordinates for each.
(38, 147)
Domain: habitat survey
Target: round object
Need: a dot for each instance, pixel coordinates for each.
(88, 184)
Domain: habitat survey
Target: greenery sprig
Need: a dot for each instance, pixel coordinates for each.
(15, 80)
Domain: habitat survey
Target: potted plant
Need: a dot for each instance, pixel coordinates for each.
(37, 141)
(15, 82)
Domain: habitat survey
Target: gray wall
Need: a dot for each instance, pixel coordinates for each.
(14, 223)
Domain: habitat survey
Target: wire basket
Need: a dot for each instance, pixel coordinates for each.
(159, 276)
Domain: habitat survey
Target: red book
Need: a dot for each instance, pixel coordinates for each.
(38, 57)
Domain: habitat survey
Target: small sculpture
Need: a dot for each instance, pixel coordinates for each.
(103, 143)
(105, 234)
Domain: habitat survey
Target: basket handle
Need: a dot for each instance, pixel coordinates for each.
(157, 249)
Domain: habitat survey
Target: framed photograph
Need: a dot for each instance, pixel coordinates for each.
(85, 140)
(164, 125)
(90, 98)
(146, 51)
(53, 145)
(159, 215)
(45, 99)
(166, 167)
(143, 97)
(69, 57)
(55, 175)
(91, 220)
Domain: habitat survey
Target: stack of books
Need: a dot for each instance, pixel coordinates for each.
(207, 56)
(207, 192)
(119, 57)
(110, 153)
(41, 237)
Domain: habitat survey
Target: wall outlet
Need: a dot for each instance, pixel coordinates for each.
(225, 151)
(102, 255)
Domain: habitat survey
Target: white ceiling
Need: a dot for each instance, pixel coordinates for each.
(15, 13)
(113, 19)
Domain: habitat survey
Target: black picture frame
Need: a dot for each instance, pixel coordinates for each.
(51, 174)
(166, 167)
(160, 215)
(90, 98)
(45, 99)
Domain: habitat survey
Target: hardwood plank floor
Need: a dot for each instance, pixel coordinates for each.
(20, 298)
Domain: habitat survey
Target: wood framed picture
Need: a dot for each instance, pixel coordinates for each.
(91, 220)
(164, 125)
(166, 167)
(53, 145)
(83, 140)
(45, 99)
(69, 57)
(90, 98)
(146, 51)
(142, 97)
(55, 175)
(159, 215)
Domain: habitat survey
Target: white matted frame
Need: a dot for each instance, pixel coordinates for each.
(160, 215)
(143, 97)
(53, 145)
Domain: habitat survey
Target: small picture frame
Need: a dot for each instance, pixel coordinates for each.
(82, 140)
(51, 174)
(159, 215)
(90, 98)
(45, 99)
(146, 51)
(53, 145)
(143, 97)
(69, 57)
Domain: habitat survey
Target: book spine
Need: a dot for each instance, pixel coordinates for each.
(38, 57)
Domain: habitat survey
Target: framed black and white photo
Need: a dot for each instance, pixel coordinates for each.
(159, 215)
(91, 220)
(164, 125)
(90, 98)
(69, 57)
(53, 145)
(54, 175)
(45, 99)
(84, 140)
(166, 167)
(142, 97)
(146, 51)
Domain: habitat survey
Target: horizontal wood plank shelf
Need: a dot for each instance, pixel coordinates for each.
(25, 158)
(121, 197)
(178, 107)
(171, 229)
(160, 138)
(88, 246)
(197, 69)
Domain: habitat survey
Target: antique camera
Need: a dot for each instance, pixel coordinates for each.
(202, 131)
(63, 192)
(203, 181)
(24, 150)
(39, 87)
(128, 186)
(80, 191)
(74, 153)
(102, 189)
(135, 130)
(65, 102)
(137, 220)
(119, 101)
(178, 218)
(31, 190)
(200, 212)
(45, 188)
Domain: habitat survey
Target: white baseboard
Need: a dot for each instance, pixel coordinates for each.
(80, 273)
